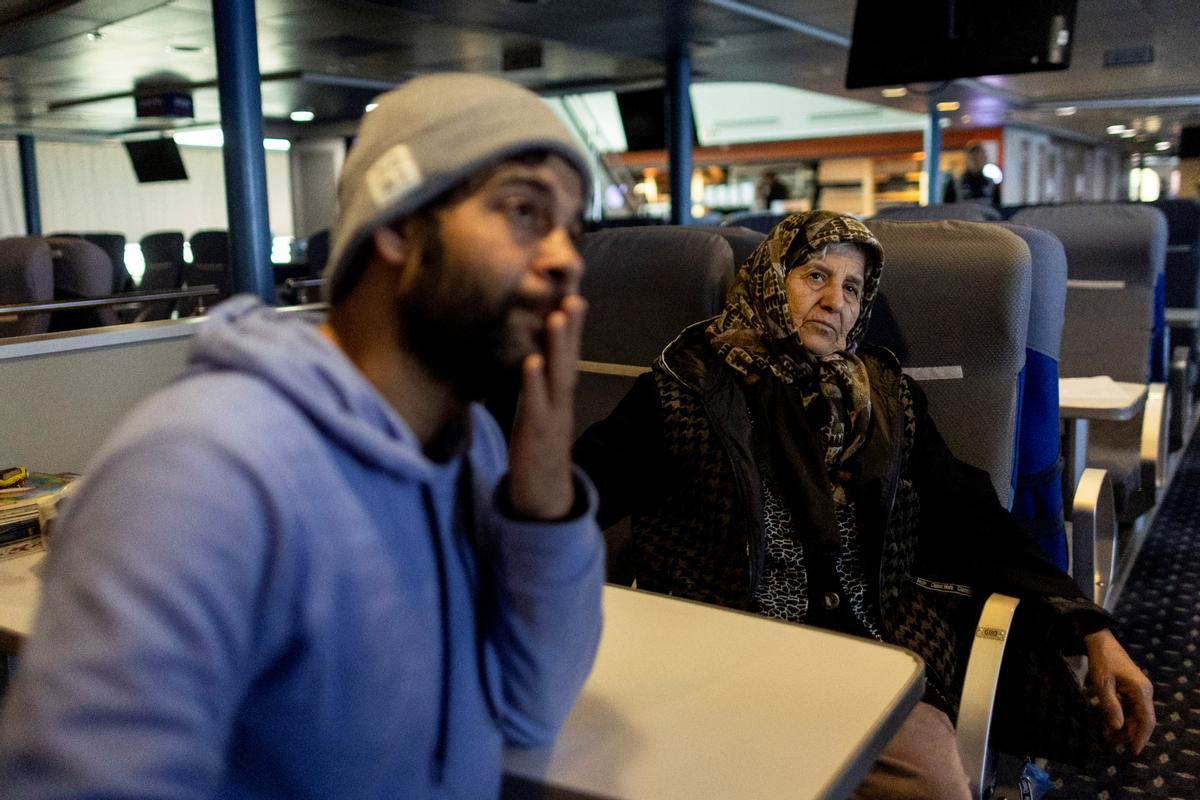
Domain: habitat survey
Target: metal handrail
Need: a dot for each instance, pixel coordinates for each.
(130, 298)
(298, 287)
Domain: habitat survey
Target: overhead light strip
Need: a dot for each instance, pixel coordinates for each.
(1123, 102)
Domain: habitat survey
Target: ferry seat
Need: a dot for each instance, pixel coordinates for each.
(968, 211)
(643, 286)
(81, 270)
(742, 241)
(1115, 255)
(761, 221)
(163, 254)
(1183, 301)
(209, 267)
(26, 276)
(113, 245)
(163, 247)
(959, 294)
(1038, 488)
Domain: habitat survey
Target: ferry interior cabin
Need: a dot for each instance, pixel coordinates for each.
(1031, 170)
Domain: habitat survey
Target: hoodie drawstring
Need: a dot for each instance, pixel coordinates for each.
(438, 768)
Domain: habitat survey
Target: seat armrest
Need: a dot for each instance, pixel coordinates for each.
(1181, 396)
(1153, 455)
(1094, 535)
(979, 687)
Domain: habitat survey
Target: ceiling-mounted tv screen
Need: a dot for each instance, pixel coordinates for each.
(644, 115)
(939, 40)
(156, 160)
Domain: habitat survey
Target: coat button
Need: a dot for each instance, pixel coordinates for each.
(831, 601)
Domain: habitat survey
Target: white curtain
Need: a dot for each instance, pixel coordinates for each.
(92, 188)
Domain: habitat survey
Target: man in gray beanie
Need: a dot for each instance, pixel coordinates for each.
(310, 567)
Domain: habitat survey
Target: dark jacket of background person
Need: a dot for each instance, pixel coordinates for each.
(679, 455)
(972, 187)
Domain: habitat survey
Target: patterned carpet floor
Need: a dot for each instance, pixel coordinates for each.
(1159, 617)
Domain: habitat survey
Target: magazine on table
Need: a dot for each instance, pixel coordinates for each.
(27, 511)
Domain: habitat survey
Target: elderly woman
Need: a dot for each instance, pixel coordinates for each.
(772, 462)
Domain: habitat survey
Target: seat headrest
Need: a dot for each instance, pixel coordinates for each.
(645, 285)
(970, 212)
(1106, 241)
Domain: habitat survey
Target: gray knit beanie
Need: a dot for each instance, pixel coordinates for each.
(425, 137)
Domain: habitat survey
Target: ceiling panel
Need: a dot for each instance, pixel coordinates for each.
(601, 43)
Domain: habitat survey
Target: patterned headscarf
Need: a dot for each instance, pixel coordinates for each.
(755, 334)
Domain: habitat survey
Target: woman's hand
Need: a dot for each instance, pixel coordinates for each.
(1126, 694)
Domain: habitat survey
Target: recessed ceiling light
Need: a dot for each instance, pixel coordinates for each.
(1115, 129)
(371, 107)
(1163, 146)
(948, 105)
(895, 91)
(302, 115)
(966, 118)
(1128, 134)
(1065, 111)
(95, 36)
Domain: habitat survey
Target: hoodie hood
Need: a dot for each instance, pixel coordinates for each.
(288, 353)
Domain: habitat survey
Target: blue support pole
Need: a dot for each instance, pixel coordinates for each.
(236, 35)
(679, 135)
(29, 185)
(933, 152)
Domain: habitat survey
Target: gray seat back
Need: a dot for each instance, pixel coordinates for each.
(643, 286)
(970, 212)
(1038, 502)
(164, 247)
(761, 221)
(1183, 251)
(1115, 256)
(1048, 290)
(26, 276)
(113, 245)
(741, 240)
(81, 270)
(959, 295)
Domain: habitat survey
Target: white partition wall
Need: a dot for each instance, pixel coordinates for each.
(90, 186)
(64, 393)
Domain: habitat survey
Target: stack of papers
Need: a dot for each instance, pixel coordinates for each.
(25, 511)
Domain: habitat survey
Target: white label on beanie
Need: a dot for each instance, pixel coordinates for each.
(392, 174)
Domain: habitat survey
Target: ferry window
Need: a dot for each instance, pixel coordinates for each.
(1144, 184)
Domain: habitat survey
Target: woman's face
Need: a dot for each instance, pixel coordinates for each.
(824, 296)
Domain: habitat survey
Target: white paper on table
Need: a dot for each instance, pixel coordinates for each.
(1098, 391)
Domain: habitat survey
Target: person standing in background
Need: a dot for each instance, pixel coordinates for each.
(973, 186)
(769, 189)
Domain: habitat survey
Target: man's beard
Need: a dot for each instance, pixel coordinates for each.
(461, 334)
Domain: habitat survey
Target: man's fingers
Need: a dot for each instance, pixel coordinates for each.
(533, 402)
(564, 328)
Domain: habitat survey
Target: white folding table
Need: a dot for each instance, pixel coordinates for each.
(692, 701)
